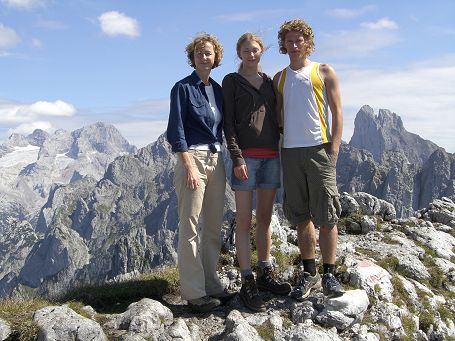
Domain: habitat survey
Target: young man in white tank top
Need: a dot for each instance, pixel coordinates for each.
(306, 90)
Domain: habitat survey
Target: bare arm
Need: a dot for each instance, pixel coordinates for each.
(279, 100)
(334, 98)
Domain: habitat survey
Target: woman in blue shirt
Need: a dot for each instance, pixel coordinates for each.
(194, 131)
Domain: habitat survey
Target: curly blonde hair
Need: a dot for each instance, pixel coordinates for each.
(300, 26)
(198, 41)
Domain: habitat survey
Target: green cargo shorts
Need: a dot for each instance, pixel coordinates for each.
(309, 181)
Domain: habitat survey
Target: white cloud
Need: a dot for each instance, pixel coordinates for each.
(355, 43)
(115, 23)
(422, 94)
(369, 38)
(381, 24)
(24, 4)
(348, 13)
(57, 108)
(28, 128)
(8, 37)
(27, 113)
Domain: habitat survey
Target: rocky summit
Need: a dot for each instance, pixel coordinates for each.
(399, 276)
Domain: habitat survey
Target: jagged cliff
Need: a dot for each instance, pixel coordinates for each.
(385, 160)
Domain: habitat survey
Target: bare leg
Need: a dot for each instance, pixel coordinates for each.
(264, 208)
(306, 236)
(243, 204)
(328, 238)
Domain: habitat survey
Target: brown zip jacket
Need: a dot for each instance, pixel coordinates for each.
(250, 119)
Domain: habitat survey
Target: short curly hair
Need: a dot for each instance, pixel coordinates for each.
(300, 26)
(199, 40)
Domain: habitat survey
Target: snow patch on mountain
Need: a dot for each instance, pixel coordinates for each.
(20, 155)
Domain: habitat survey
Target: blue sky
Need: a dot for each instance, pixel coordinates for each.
(66, 64)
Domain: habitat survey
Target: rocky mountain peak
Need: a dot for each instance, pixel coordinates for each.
(38, 137)
(99, 137)
(386, 118)
(386, 132)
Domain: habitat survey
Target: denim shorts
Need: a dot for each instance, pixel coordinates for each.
(262, 173)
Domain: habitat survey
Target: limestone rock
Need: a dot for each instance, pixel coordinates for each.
(238, 329)
(309, 332)
(148, 317)
(367, 275)
(5, 330)
(61, 323)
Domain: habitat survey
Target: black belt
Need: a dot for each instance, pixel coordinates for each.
(212, 148)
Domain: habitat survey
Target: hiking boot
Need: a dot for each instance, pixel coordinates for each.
(224, 296)
(330, 286)
(250, 295)
(305, 284)
(267, 281)
(203, 304)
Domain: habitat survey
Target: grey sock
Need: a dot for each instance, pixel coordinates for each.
(245, 272)
(262, 264)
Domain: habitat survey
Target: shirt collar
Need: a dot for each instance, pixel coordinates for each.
(197, 81)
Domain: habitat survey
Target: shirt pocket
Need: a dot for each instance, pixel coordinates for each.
(196, 101)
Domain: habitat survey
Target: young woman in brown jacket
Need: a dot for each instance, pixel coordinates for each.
(252, 135)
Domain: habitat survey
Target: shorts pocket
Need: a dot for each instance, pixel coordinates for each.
(329, 155)
(333, 209)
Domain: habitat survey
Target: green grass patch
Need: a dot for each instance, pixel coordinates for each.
(386, 239)
(265, 332)
(116, 297)
(428, 251)
(445, 313)
(409, 327)
(426, 319)
(284, 260)
(401, 296)
(19, 315)
(437, 276)
(344, 223)
(389, 263)
(367, 252)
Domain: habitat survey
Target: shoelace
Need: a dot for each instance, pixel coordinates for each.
(331, 282)
(302, 280)
(251, 289)
(270, 275)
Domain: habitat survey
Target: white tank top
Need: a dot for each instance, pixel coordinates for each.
(305, 112)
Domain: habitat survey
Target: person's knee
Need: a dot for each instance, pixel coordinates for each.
(263, 221)
(243, 222)
(328, 229)
(305, 226)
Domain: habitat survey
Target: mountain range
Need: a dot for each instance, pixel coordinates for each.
(86, 207)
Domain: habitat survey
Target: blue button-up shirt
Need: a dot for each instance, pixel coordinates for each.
(191, 119)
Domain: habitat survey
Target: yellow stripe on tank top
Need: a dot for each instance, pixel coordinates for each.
(318, 88)
(281, 91)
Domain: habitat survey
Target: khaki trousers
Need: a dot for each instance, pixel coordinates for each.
(199, 244)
